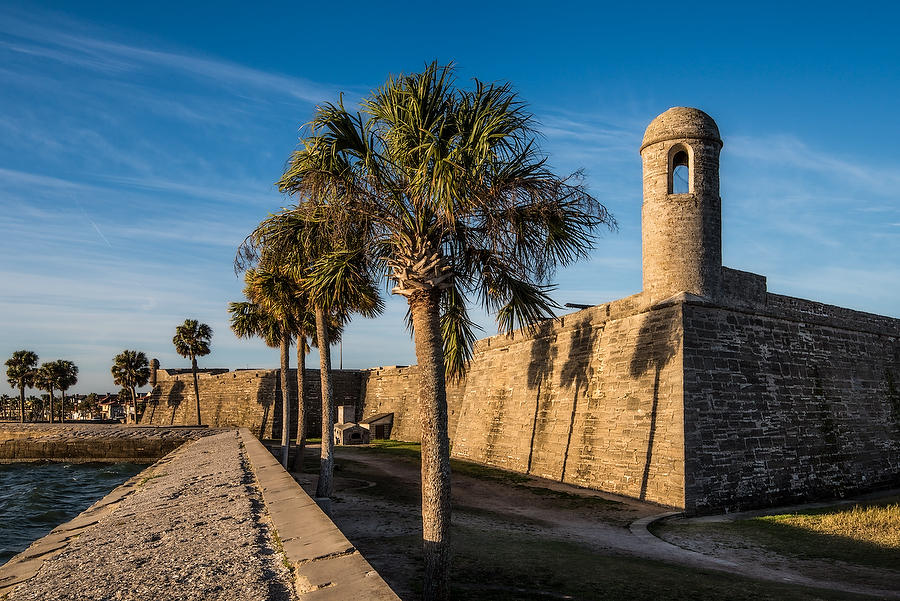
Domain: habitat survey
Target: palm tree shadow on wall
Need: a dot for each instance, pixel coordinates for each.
(540, 367)
(153, 401)
(657, 344)
(576, 374)
(266, 401)
(174, 398)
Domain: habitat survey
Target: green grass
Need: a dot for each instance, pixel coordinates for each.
(146, 479)
(497, 564)
(864, 534)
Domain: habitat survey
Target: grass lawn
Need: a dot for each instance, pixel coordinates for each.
(412, 451)
(866, 534)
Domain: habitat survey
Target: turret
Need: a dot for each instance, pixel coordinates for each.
(681, 217)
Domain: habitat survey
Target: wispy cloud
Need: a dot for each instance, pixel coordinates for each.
(788, 151)
(59, 44)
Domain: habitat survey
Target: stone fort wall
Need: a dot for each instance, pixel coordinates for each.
(790, 400)
(754, 400)
(246, 398)
(593, 399)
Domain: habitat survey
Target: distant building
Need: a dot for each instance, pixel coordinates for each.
(111, 407)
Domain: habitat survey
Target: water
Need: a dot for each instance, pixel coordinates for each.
(37, 497)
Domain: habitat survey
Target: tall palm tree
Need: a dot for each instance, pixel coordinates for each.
(67, 376)
(20, 372)
(192, 340)
(130, 370)
(337, 279)
(459, 202)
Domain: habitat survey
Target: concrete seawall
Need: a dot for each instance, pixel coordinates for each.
(217, 518)
(88, 443)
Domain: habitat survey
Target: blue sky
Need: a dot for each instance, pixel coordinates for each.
(139, 143)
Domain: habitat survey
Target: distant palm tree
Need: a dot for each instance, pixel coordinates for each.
(130, 370)
(192, 340)
(20, 372)
(67, 376)
(45, 379)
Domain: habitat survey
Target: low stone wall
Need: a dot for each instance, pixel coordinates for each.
(89, 443)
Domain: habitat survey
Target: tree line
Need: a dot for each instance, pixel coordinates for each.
(130, 370)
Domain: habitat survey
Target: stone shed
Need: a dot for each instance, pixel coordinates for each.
(347, 434)
(379, 425)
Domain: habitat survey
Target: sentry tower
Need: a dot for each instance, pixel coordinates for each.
(681, 218)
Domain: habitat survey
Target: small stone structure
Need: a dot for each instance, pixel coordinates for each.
(704, 391)
(346, 434)
(379, 425)
(346, 430)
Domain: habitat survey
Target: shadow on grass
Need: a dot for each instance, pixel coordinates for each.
(411, 451)
(794, 540)
(493, 562)
(503, 566)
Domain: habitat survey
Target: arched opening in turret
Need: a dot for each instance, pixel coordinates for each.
(679, 172)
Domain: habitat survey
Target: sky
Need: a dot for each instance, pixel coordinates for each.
(140, 143)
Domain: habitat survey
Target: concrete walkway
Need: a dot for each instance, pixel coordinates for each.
(215, 519)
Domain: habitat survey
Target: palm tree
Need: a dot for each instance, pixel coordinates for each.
(45, 379)
(270, 315)
(20, 372)
(130, 370)
(459, 203)
(248, 319)
(337, 279)
(192, 340)
(67, 376)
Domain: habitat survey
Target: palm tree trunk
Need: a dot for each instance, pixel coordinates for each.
(285, 397)
(425, 309)
(22, 404)
(301, 404)
(50, 395)
(134, 402)
(325, 486)
(196, 387)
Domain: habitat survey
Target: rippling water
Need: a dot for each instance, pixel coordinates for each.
(37, 497)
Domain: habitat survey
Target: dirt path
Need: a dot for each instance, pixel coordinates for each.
(377, 497)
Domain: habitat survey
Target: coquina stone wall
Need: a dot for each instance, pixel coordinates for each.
(787, 401)
(752, 400)
(593, 399)
(249, 398)
(395, 390)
